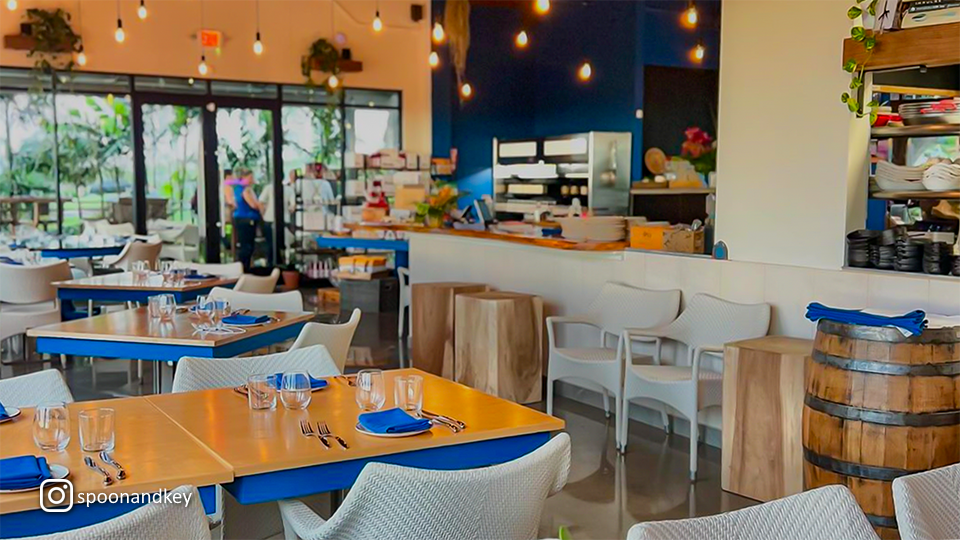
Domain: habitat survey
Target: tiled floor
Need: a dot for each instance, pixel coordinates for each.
(606, 493)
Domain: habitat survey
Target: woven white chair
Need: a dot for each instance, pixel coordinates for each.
(135, 251)
(258, 284)
(35, 388)
(119, 229)
(704, 326)
(28, 297)
(616, 307)
(227, 270)
(389, 501)
(181, 244)
(287, 301)
(205, 373)
(335, 337)
(171, 521)
(829, 512)
(928, 504)
(403, 277)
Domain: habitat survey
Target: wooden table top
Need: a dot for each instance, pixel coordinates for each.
(135, 326)
(553, 243)
(254, 442)
(155, 452)
(127, 280)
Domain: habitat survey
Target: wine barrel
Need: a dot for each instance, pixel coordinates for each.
(878, 406)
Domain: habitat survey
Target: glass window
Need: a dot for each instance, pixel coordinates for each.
(23, 79)
(372, 98)
(311, 135)
(172, 144)
(308, 94)
(26, 144)
(243, 89)
(77, 82)
(371, 130)
(170, 85)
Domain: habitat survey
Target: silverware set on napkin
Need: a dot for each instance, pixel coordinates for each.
(107, 459)
(322, 432)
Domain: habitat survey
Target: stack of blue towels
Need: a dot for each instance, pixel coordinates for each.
(913, 323)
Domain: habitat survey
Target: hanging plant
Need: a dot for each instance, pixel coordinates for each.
(856, 70)
(321, 56)
(54, 40)
(456, 22)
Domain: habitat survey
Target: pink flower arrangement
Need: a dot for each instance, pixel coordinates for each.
(700, 149)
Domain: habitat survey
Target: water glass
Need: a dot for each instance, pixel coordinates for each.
(140, 269)
(162, 307)
(219, 310)
(408, 393)
(97, 430)
(261, 392)
(295, 390)
(167, 268)
(204, 309)
(179, 276)
(51, 426)
(370, 390)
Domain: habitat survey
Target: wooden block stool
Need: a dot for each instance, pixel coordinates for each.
(500, 344)
(432, 320)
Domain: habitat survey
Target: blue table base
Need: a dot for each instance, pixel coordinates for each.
(68, 296)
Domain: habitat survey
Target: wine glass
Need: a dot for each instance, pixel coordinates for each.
(370, 390)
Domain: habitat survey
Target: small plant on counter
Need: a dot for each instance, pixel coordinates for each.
(700, 150)
(437, 207)
(869, 42)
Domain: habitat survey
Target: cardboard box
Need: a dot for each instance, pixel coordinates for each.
(666, 238)
(647, 236)
(683, 241)
(407, 197)
(373, 214)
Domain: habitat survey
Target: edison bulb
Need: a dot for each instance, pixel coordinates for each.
(522, 39)
(438, 34)
(434, 59)
(258, 46)
(699, 51)
(142, 11)
(377, 23)
(585, 71)
(203, 68)
(692, 15)
(119, 35)
(81, 58)
(466, 90)
(11, 5)
(541, 6)
(333, 81)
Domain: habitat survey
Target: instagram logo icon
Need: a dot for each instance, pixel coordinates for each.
(56, 496)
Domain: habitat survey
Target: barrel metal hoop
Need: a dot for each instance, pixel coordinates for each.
(882, 521)
(868, 472)
(887, 418)
(930, 336)
(886, 368)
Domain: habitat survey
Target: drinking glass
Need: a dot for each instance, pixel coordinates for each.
(51, 426)
(162, 307)
(179, 276)
(370, 391)
(204, 309)
(219, 310)
(408, 393)
(97, 430)
(295, 390)
(167, 268)
(261, 392)
(140, 269)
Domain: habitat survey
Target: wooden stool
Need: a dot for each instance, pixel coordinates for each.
(432, 320)
(762, 417)
(500, 344)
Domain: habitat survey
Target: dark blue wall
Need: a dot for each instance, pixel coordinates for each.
(536, 92)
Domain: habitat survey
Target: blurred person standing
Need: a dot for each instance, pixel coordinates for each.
(247, 216)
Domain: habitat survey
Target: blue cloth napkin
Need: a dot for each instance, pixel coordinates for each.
(392, 421)
(198, 276)
(314, 383)
(3, 413)
(23, 472)
(246, 319)
(914, 322)
(8, 260)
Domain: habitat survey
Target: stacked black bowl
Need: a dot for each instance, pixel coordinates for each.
(936, 258)
(909, 255)
(956, 266)
(858, 247)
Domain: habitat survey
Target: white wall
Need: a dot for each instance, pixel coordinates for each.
(164, 44)
(791, 159)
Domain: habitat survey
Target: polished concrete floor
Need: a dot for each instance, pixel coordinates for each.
(606, 492)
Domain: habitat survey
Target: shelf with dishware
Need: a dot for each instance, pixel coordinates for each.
(928, 46)
(928, 130)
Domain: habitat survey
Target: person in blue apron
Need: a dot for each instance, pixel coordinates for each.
(247, 215)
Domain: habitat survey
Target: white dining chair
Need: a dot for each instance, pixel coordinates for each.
(258, 520)
(135, 251)
(226, 270)
(703, 327)
(34, 388)
(616, 307)
(258, 284)
(927, 504)
(287, 301)
(390, 501)
(163, 520)
(828, 512)
(181, 243)
(403, 275)
(28, 297)
(113, 229)
(335, 337)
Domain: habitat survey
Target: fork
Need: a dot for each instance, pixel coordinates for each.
(325, 432)
(307, 431)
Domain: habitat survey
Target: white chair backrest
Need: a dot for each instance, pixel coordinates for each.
(33, 389)
(163, 520)
(191, 235)
(928, 504)
(258, 284)
(138, 251)
(619, 306)
(502, 501)
(227, 270)
(708, 320)
(206, 373)
(287, 301)
(29, 284)
(827, 512)
(335, 337)
(119, 229)
(404, 275)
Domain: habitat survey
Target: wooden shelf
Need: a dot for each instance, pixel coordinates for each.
(346, 66)
(932, 130)
(914, 195)
(915, 90)
(929, 46)
(677, 191)
(20, 42)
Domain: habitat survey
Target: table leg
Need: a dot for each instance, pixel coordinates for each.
(157, 383)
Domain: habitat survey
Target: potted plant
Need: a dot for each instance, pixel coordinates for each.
(53, 40)
(437, 207)
(290, 274)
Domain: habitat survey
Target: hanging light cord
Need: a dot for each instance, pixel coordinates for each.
(258, 18)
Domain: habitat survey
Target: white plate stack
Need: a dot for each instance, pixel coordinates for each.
(942, 177)
(892, 177)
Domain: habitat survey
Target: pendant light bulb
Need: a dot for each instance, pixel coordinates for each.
(466, 90)
(202, 67)
(699, 51)
(522, 39)
(119, 34)
(333, 81)
(585, 72)
(438, 34)
(12, 5)
(377, 23)
(142, 11)
(81, 57)
(541, 6)
(434, 59)
(258, 46)
(691, 15)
